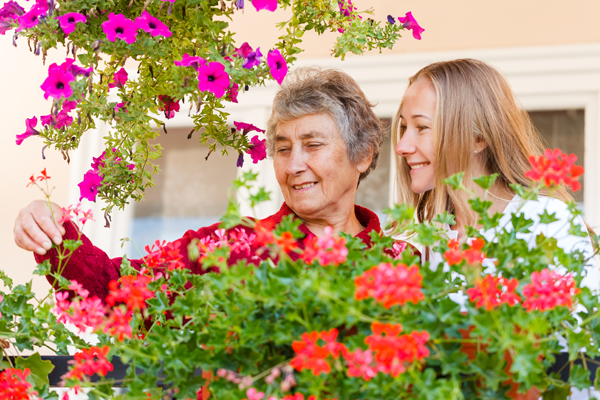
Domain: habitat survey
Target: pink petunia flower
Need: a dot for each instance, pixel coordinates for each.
(5, 25)
(246, 127)
(88, 188)
(169, 105)
(57, 84)
(253, 59)
(277, 64)
(152, 25)
(57, 121)
(11, 10)
(243, 51)
(119, 79)
(270, 5)
(213, 78)
(408, 22)
(257, 149)
(232, 92)
(189, 61)
(117, 26)
(121, 107)
(67, 22)
(30, 18)
(69, 106)
(30, 123)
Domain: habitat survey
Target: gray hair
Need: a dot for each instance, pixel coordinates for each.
(311, 90)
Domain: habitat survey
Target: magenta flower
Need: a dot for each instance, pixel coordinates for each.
(67, 22)
(30, 123)
(11, 10)
(120, 27)
(88, 188)
(213, 78)
(277, 64)
(408, 22)
(253, 59)
(257, 149)
(243, 51)
(57, 121)
(189, 61)
(168, 105)
(232, 92)
(69, 106)
(30, 18)
(97, 162)
(119, 79)
(57, 84)
(345, 9)
(270, 5)
(121, 107)
(152, 25)
(245, 127)
(5, 25)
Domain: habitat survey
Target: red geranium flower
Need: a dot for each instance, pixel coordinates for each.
(555, 168)
(390, 285)
(489, 292)
(548, 289)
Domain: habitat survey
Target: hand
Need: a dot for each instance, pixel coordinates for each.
(34, 227)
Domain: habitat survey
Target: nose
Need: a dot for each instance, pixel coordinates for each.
(297, 161)
(405, 146)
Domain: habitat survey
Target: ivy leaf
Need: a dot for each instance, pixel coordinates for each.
(546, 218)
(520, 223)
(486, 181)
(126, 268)
(455, 181)
(259, 197)
(579, 377)
(72, 245)
(8, 282)
(39, 369)
(445, 218)
(43, 269)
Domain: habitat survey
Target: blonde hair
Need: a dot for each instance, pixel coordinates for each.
(474, 103)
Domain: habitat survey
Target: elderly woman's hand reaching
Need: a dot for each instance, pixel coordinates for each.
(36, 227)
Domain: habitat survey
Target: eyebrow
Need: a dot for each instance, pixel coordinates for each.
(307, 135)
(418, 116)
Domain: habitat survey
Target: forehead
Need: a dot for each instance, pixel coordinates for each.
(419, 100)
(313, 125)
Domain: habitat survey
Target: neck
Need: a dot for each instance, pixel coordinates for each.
(347, 224)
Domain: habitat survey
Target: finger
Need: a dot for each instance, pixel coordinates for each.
(35, 233)
(24, 241)
(49, 228)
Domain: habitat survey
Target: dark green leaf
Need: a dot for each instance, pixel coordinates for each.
(39, 369)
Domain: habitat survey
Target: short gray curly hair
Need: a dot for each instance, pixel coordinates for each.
(312, 90)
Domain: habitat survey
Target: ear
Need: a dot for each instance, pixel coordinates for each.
(363, 165)
(480, 146)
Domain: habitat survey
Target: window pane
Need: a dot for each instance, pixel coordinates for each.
(563, 129)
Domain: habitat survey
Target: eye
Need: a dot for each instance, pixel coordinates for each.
(421, 128)
(282, 149)
(314, 145)
(402, 129)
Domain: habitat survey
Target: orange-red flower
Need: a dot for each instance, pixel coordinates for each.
(548, 289)
(89, 362)
(311, 356)
(390, 285)
(473, 255)
(328, 249)
(133, 291)
(555, 168)
(119, 324)
(489, 292)
(14, 385)
(264, 232)
(287, 242)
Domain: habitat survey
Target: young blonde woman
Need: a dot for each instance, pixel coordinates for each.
(462, 115)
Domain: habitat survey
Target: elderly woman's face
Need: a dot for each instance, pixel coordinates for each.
(312, 167)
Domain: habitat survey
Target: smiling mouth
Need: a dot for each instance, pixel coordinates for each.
(304, 186)
(417, 166)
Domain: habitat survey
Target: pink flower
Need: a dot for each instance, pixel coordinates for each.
(232, 93)
(408, 22)
(58, 82)
(119, 79)
(270, 5)
(89, 186)
(360, 364)
(30, 123)
(120, 107)
(168, 105)
(257, 149)
(120, 27)
(277, 65)
(118, 324)
(57, 121)
(253, 59)
(69, 106)
(152, 25)
(67, 22)
(254, 394)
(189, 61)
(213, 78)
(30, 18)
(245, 127)
(243, 51)
(241, 242)
(11, 10)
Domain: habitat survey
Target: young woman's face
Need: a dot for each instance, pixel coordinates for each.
(416, 145)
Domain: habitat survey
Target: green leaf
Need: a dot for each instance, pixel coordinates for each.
(72, 245)
(455, 181)
(445, 218)
(579, 377)
(597, 379)
(39, 369)
(486, 181)
(8, 282)
(557, 393)
(546, 218)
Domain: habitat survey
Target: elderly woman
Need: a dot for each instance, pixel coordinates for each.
(324, 139)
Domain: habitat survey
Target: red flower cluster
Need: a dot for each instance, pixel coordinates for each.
(164, 254)
(89, 362)
(42, 177)
(83, 312)
(390, 285)
(133, 291)
(328, 249)
(118, 324)
(287, 242)
(473, 255)
(393, 350)
(548, 289)
(309, 355)
(14, 385)
(489, 292)
(360, 364)
(264, 232)
(555, 168)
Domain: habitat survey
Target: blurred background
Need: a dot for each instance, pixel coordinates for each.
(549, 51)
